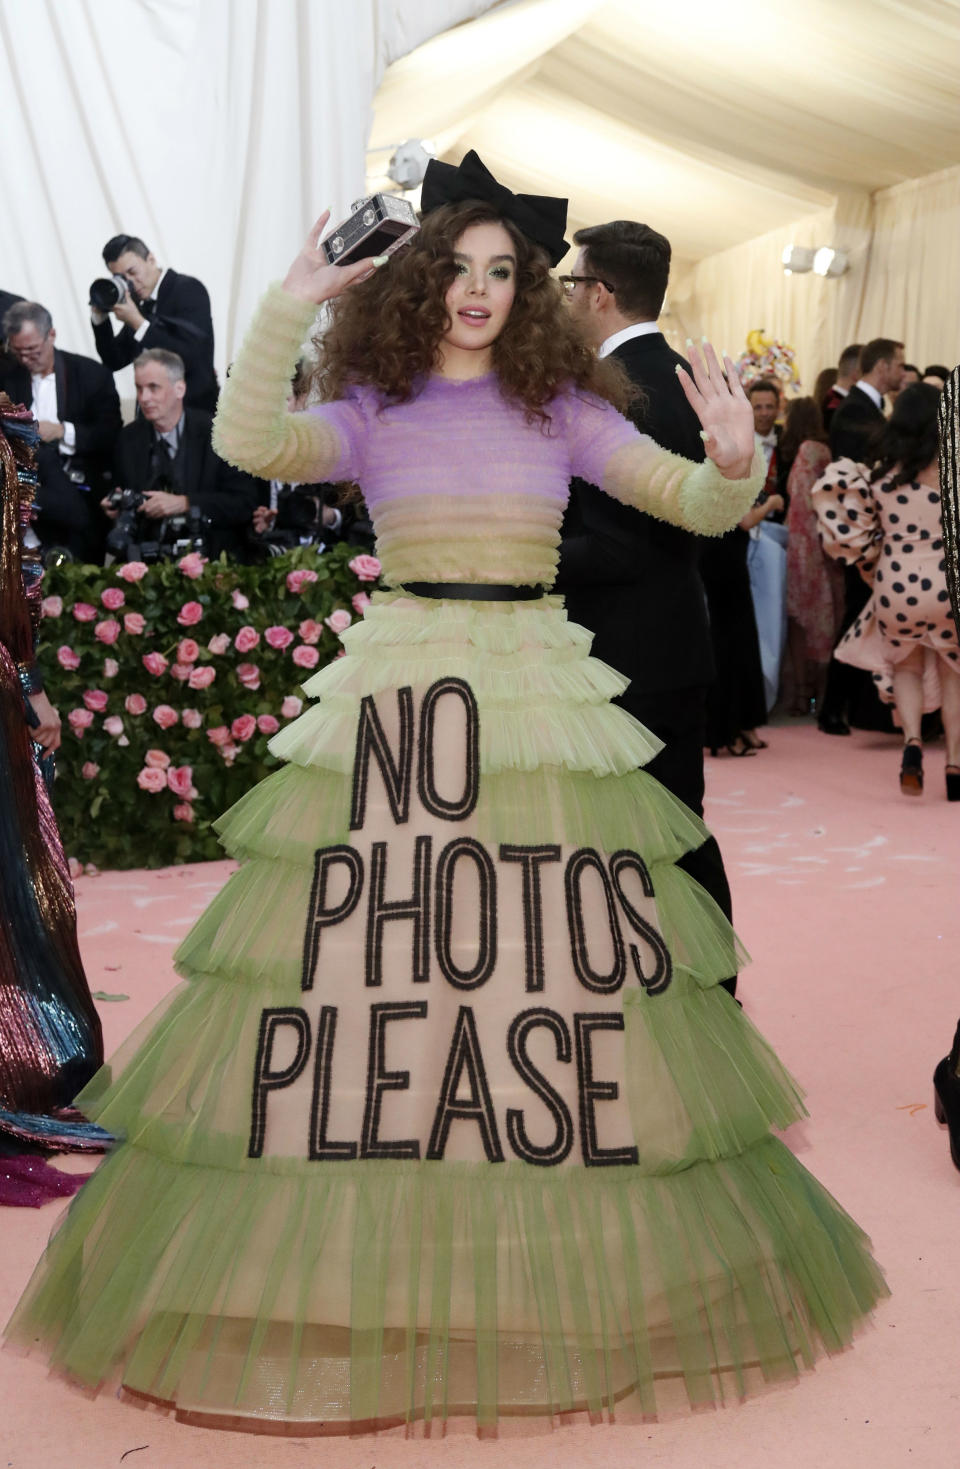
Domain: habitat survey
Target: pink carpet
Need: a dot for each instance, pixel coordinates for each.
(846, 895)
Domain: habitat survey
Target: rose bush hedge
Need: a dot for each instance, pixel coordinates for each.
(170, 680)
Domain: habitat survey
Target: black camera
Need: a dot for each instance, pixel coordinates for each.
(108, 291)
(135, 538)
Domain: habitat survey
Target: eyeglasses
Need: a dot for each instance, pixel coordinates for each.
(569, 283)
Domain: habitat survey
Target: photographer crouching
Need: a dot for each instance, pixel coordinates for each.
(174, 494)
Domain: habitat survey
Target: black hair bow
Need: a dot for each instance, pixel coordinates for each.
(541, 218)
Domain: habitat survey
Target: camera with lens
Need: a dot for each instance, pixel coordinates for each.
(135, 538)
(108, 291)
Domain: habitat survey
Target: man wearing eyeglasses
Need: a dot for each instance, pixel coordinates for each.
(633, 581)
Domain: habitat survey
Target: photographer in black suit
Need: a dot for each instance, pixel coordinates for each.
(77, 409)
(631, 580)
(158, 308)
(167, 457)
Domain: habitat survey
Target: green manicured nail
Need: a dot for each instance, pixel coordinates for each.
(379, 260)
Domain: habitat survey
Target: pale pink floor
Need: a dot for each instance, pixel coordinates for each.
(846, 894)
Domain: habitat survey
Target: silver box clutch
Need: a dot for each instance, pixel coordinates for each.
(379, 225)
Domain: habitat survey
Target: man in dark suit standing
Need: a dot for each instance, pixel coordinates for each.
(634, 581)
(77, 409)
(168, 456)
(161, 308)
(848, 371)
(859, 418)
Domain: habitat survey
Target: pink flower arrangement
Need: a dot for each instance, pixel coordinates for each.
(79, 720)
(83, 612)
(219, 736)
(113, 726)
(360, 602)
(157, 759)
(67, 658)
(278, 637)
(155, 663)
(202, 678)
(219, 643)
(152, 780)
(339, 620)
(112, 598)
(110, 667)
(249, 675)
(181, 671)
(240, 601)
(107, 631)
(134, 623)
(188, 651)
(267, 725)
(135, 703)
(132, 571)
(311, 631)
(96, 700)
(192, 718)
(305, 656)
(230, 751)
(291, 706)
(51, 606)
(297, 580)
(183, 811)
(365, 568)
(190, 613)
(243, 728)
(166, 716)
(180, 781)
(89, 770)
(246, 639)
(192, 565)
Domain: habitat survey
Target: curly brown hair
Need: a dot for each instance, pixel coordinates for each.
(385, 331)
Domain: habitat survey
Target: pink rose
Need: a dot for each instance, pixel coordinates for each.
(165, 716)
(51, 606)
(123, 742)
(89, 770)
(249, 675)
(311, 631)
(67, 658)
(246, 639)
(110, 667)
(219, 643)
(244, 728)
(202, 678)
(132, 571)
(279, 637)
(79, 720)
(83, 612)
(155, 663)
(134, 622)
(152, 780)
(306, 657)
(135, 704)
(297, 580)
(188, 651)
(183, 811)
(291, 706)
(190, 613)
(96, 700)
(107, 631)
(113, 725)
(339, 620)
(180, 781)
(360, 602)
(219, 736)
(365, 568)
(157, 759)
(266, 724)
(192, 718)
(240, 601)
(229, 752)
(112, 598)
(192, 565)
(76, 868)
(181, 671)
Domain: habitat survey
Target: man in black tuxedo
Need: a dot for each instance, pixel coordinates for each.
(764, 395)
(161, 308)
(167, 455)
(77, 409)
(859, 418)
(848, 371)
(634, 581)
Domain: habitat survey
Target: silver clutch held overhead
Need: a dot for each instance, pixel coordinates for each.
(378, 225)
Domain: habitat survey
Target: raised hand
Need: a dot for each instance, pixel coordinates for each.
(722, 408)
(313, 278)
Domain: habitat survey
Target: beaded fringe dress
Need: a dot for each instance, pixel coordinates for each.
(450, 1116)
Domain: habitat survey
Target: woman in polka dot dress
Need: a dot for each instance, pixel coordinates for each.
(886, 521)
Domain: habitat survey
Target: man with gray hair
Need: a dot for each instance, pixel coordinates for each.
(75, 403)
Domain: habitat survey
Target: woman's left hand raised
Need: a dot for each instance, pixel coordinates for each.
(722, 408)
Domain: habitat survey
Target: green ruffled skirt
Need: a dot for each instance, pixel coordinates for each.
(450, 1115)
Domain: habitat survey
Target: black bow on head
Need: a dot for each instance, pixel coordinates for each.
(539, 217)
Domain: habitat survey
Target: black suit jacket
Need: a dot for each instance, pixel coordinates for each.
(87, 398)
(225, 495)
(855, 426)
(632, 580)
(180, 322)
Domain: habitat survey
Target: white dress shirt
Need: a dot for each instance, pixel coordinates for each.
(638, 329)
(44, 391)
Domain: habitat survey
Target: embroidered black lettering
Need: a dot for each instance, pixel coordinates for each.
(593, 1091)
(396, 773)
(415, 908)
(265, 1080)
(584, 859)
(319, 916)
(481, 970)
(530, 859)
(659, 980)
(380, 1080)
(322, 1149)
(465, 1056)
(556, 1151)
(433, 802)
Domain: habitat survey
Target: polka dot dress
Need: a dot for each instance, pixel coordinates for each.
(892, 532)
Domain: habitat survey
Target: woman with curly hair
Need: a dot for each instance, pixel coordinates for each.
(452, 1116)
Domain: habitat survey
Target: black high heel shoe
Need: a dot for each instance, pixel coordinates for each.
(946, 1097)
(953, 782)
(911, 770)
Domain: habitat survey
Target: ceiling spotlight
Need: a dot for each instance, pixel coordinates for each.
(797, 259)
(409, 162)
(829, 262)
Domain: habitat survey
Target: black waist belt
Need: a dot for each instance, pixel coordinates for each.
(470, 591)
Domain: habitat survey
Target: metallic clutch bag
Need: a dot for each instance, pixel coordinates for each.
(379, 225)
